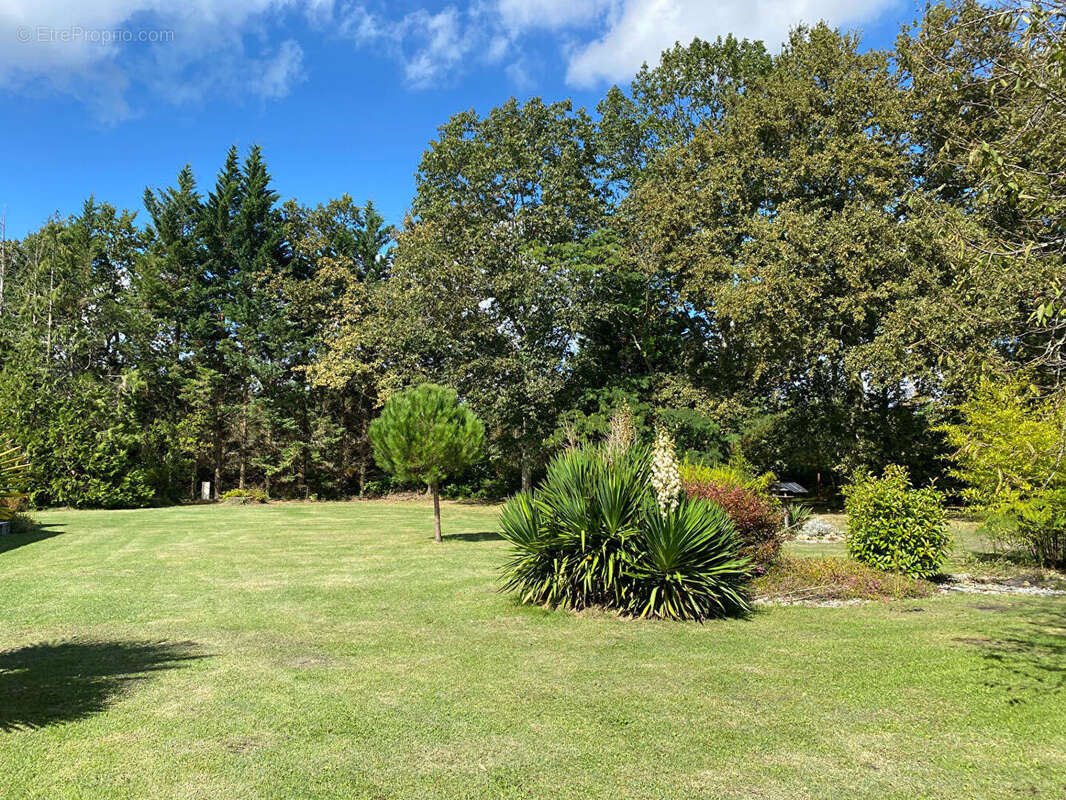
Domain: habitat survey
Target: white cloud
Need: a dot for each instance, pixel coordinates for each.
(520, 15)
(639, 30)
(430, 46)
(98, 49)
(281, 72)
(440, 43)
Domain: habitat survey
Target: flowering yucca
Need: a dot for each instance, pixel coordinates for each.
(622, 433)
(593, 534)
(665, 475)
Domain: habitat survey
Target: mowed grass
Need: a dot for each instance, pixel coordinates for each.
(333, 650)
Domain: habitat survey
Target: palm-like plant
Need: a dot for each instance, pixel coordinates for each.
(592, 535)
(688, 567)
(13, 475)
(571, 536)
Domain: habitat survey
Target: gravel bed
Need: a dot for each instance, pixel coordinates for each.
(981, 585)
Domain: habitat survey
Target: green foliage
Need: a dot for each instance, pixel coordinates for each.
(790, 232)
(486, 278)
(990, 81)
(806, 256)
(245, 496)
(1008, 443)
(1037, 525)
(378, 488)
(895, 527)
(738, 472)
(1009, 446)
(137, 362)
(424, 434)
(798, 515)
(687, 566)
(592, 534)
(83, 441)
(692, 85)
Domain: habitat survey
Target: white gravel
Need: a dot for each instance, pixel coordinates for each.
(970, 585)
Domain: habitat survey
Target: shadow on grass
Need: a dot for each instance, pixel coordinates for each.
(482, 536)
(53, 682)
(36, 533)
(1030, 658)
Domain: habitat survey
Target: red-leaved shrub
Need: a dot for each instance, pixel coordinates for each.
(758, 519)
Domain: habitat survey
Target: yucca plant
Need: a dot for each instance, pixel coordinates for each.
(13, 475)
(571, 536)
(592, 534)
(688, 567)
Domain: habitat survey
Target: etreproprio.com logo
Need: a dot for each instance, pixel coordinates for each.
(76, 33)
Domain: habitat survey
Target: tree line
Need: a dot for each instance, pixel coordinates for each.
(807, 258)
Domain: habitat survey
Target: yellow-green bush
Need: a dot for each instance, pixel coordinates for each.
(1008, 449)
(737, 473)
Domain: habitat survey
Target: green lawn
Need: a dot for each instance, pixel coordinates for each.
(333, 650)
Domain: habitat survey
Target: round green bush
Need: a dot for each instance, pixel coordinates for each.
(895, 527)
(593, 535)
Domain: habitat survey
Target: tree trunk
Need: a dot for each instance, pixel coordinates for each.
(218, 463)
(527, 475)
(436, 510)
(364, 453)
(523, 457)
(244, 441)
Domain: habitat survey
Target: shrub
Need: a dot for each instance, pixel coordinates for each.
(21, 522)
(796, 516)
(894, 527)
(685, 565)
(738, 473)
(758, 519)
(593, 534)
(816, 579)
(245, 496)
(1036, 525)
(378, 488)
(84, 442)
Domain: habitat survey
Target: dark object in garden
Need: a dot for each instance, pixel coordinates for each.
(786, 490)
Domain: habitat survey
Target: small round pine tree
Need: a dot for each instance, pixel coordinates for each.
(426, 434)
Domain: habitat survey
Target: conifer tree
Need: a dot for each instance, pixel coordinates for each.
(425, 434)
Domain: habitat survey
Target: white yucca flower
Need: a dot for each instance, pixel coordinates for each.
(665, 476)
(622, 432)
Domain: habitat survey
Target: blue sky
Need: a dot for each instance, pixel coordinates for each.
(106, 97)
